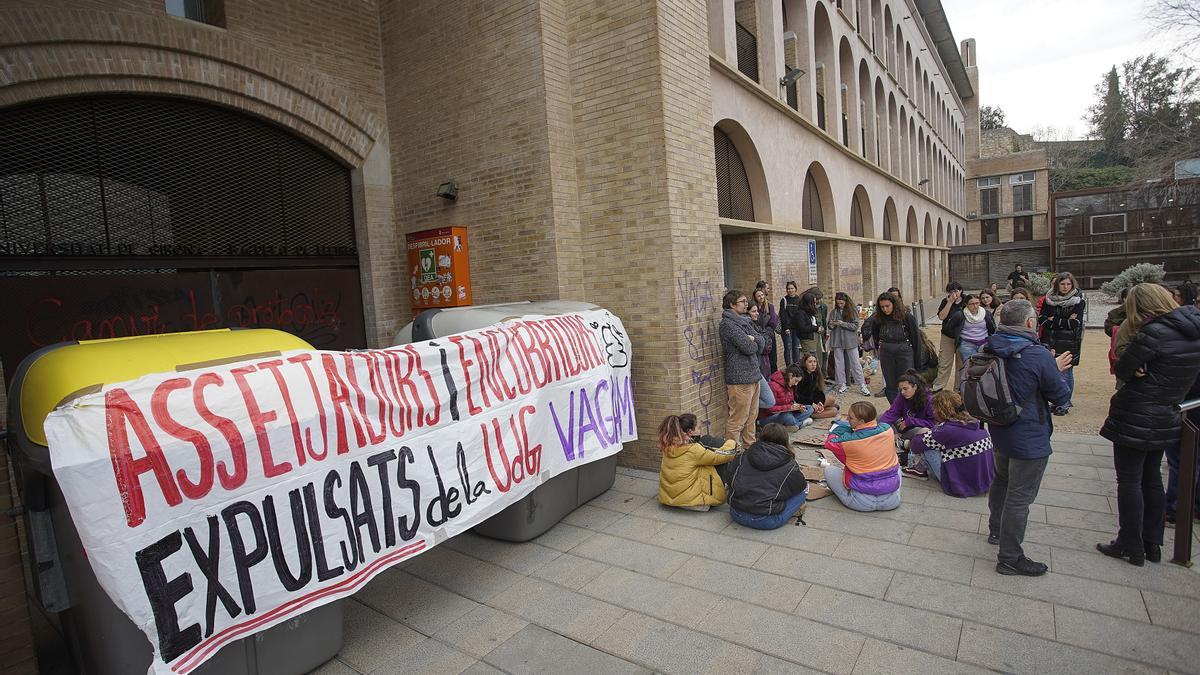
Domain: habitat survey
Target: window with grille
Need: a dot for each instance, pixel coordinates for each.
(793, 99)
(990, 231)
(1112, 223)
(856, 219)
(747, 52)
(989, 201)
(813, 218)
(733, 186)
(1023, 197)
(114, 178)
(1023, 228)
(211, 12)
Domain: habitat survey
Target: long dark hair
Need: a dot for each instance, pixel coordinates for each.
(808, 302)
(848, 312)
(898, 311)
(916, 404)
(807, 379)
(675, 430)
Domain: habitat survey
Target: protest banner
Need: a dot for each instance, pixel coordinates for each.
(217, 501)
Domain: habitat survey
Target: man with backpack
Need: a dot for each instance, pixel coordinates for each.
(1012, 384)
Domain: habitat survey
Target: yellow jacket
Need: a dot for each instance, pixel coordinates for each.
(688, 477)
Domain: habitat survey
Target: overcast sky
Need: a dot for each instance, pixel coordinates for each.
(1040, 60)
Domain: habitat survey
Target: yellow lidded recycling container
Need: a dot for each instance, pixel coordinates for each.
(100, 637)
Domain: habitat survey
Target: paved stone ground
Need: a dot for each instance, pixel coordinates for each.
(626, 585)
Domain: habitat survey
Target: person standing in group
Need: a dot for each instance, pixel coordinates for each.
(1185, 293)
(958, 450)
(1021, 294)
(767, 321)
(742, 344)
(810, 390)
(911, 415)
(1158, 368)
(789, 319)
(971, 328)
(895, 333)
(1061, 323)
(948, 365)
(869, 478)
(785, 409)
(843, 345)
(806, 325)
(988, 301)
(822, 317)
(1018, 278)
(1022, 449)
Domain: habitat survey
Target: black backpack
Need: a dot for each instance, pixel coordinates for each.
(985, 391)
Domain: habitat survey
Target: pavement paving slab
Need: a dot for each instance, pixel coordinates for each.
(625, 584)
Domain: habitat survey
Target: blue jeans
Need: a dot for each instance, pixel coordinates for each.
(788, 419)
(966, 350)
(1069, 376)
(791, 348)
(766, 397)
(1173, 483)
(790, 507)
(858, 501)
(933, 461)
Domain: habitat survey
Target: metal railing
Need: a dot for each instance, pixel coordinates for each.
(1189, 442)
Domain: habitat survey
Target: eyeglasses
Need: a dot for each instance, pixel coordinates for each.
(743, 301)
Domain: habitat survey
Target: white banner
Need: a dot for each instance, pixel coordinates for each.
(214, 503)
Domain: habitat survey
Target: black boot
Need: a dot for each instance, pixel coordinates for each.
(1114, 550)
(1153, 552)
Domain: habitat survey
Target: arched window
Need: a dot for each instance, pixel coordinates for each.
(856, 218)
(812, 215)
(733, 186)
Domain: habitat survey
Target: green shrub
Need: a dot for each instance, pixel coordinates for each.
(1132, 276)
(1039, 282)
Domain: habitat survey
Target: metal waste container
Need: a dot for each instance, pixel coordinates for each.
(101, 638)
(549, 502)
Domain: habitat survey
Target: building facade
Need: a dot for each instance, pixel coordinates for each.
(1098, 233)
(1007, 197)
(642, 155)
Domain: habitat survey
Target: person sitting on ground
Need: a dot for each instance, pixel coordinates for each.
(869, 479)
(766, 486)
(957, 452)
(691, 476)
(810, 390)
(911, 415)
(785, 410)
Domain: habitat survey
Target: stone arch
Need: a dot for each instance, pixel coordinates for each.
(866, 111)
(751, 164)
(817, 212)
(910, 226)
(906, 81)
(928, 238)
(860, 202)
(825, 61)
(848, 96)
(882, 136)
(891, 226)
(57, 53)
(893, 137)
(889, 38)
(795, 14)
(941, 234)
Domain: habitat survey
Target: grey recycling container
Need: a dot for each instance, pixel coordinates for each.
(549, 502)
(101, 638)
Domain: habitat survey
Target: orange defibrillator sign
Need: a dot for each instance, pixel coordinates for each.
(439, 271)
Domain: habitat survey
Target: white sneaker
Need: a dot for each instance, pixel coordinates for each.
(842, 389)
(807, 423)
(864, 390)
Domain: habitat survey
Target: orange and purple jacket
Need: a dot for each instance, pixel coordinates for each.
(869, 453)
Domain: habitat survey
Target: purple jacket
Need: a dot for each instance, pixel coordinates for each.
(899, 411)
(968, 466)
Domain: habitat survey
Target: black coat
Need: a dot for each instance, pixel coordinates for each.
(1142, 413)
(764, 477)
(788, 313)
(1062, 327)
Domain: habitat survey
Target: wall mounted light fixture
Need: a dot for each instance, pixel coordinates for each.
(448, 191)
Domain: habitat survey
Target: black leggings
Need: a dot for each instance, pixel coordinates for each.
(894, 359)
